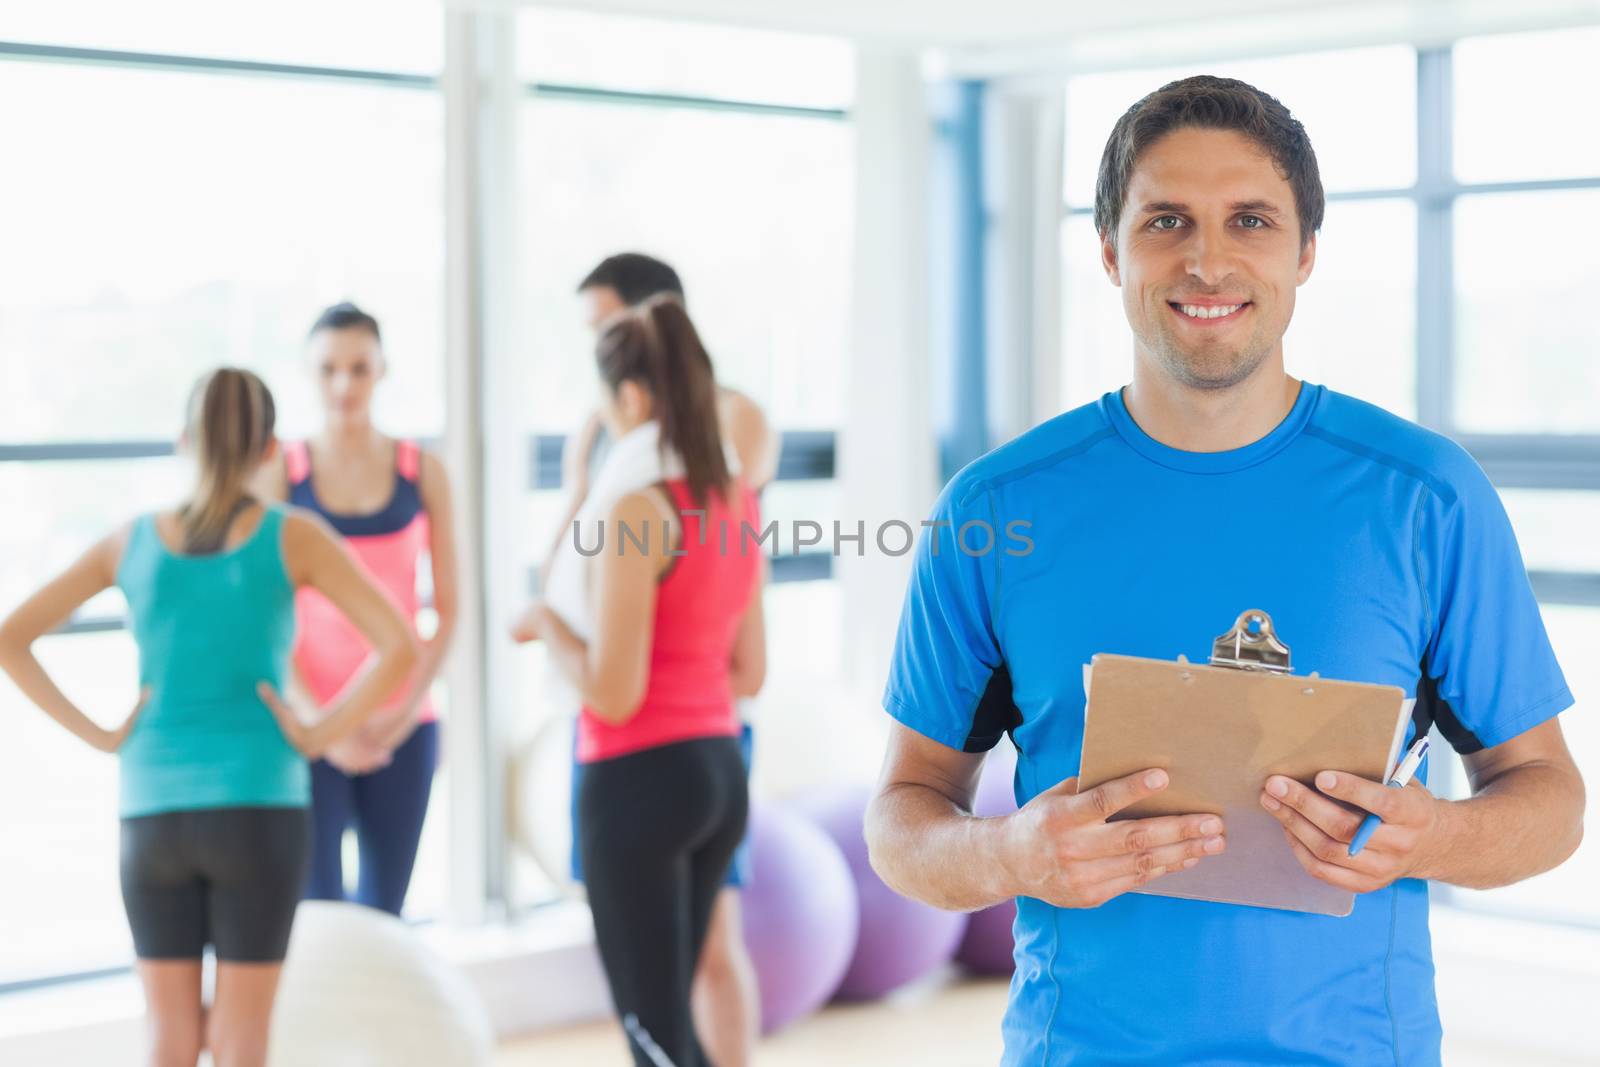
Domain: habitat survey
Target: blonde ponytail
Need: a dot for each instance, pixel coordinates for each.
(231, 416)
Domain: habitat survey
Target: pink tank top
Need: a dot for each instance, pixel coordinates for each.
(699, 604)
(388, 543)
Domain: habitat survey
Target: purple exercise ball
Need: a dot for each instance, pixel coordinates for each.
(799, 915)
(900, 940)
(986, 947)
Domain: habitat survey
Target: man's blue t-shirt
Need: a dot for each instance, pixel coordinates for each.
(1382, 554)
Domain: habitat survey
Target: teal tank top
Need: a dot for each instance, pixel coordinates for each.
(208, 629)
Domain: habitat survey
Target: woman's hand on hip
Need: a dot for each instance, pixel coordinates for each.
(111, 740)
(295, 731)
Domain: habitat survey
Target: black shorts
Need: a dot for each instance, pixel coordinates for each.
(227, 877)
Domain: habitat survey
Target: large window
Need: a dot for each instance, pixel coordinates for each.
(1521, 105)
(728, 154)
(63, 910)
(194, 219)
(189, 186)
(760, 236)
(1528, 359)
(1522, 376)
(673, 58)
(163, 215)
(1565, 894)
(1450, 287)
(373, 35)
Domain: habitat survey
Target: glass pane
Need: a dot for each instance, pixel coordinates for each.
(1559, 530)
(1526, 344)
(429, 894)
(391, 35)
(1359, 107)
(756, 214)
(61, 895)
(1097, 345)
(759, 228)
(791, 503)
(805, 656)
(145, 253)
(813, 728)
(1511, 122)
(684, 58)
(541, 789)
(1355, 320)
(68, 506)
(804, 623)
(1566, 893)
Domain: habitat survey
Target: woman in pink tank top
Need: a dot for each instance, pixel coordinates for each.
(390, 502)
(676, 634)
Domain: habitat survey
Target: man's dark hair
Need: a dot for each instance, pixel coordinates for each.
(345, 316)
(635, 276)
(1208, 102)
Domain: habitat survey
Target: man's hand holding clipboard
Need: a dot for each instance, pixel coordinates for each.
(1066, 851)
(1334, 842)
(1222, 731)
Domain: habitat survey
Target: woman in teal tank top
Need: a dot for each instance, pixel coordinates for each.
(214, 778)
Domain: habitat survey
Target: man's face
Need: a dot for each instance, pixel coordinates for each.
(600, 302)
(1209, 225)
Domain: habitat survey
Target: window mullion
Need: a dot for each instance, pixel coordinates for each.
(1435, 243)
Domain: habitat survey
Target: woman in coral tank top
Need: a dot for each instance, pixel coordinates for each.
(390, 502)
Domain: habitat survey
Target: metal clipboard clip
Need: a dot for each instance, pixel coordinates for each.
(1252, 645)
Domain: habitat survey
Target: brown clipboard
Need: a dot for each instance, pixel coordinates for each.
(1219, 730)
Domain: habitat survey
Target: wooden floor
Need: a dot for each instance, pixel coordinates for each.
(955, 1025)
(952, 1025)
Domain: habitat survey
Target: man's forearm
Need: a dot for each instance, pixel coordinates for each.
(926, 847)
(1522, 823)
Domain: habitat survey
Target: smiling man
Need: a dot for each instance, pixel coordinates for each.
(1212, 484)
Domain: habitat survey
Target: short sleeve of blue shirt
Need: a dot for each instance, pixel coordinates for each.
(1490, 671)
(947, 680)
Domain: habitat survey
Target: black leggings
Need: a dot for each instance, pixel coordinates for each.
(656, 832)
(228, 877)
